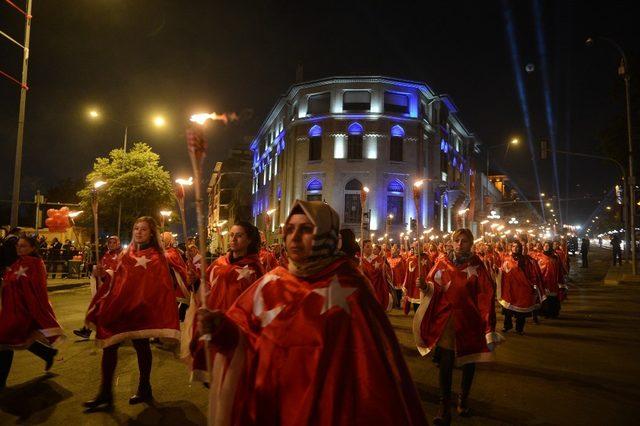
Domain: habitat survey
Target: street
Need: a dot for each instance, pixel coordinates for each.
(580, 369)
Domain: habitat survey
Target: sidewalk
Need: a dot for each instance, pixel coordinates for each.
(619, 274)
(57, 284)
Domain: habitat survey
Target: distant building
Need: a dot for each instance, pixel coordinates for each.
(229, 192)
(329, 138)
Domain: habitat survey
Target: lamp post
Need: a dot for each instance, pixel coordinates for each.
(417, 195)
(94, 209)
(158, 121)
(179, 192)
(623, 70)
(514, 142)
(17, 168)
(268, 221)
(388, 229)
(363, 203)
(164, 214)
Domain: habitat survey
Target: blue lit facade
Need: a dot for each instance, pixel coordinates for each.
(325, 139)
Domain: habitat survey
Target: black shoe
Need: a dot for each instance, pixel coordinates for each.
(100, 403)
(49, 360)
(463, 406)
(83, 332)
(142, 395)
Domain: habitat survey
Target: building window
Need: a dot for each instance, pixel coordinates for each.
(356, 100)
(395, 201)
(315, 143)
(354, 141)
(396, 103)
(352, 208)
(319, 104)
(396, 143)
(314, 190)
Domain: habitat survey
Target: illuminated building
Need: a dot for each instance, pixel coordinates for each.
(326, 139)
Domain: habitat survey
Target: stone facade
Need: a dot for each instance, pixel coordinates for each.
(326, 139)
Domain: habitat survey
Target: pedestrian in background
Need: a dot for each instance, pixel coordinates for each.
(584, 251)
(617, 251)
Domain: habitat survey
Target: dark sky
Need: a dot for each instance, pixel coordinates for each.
(136, 58)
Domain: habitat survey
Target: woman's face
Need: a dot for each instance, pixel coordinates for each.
(299, 237)
(141, 232)
(238, 240)
(23, 248)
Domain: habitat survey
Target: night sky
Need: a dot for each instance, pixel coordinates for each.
(133, 59)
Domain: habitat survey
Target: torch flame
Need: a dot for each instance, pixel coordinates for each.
(201, 118)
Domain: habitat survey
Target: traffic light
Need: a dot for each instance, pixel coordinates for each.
(543, 149)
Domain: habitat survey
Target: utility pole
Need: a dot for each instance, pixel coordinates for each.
(17, 170)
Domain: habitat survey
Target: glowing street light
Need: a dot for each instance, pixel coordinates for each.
(74, 214)
(515, 141)
(159, 121)
(183, 182)
(99, 183)
(93, 114)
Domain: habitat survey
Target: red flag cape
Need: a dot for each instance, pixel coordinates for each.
(398, 270)
(412, 292)
(552, 274)
(373, 268)
(227, 281)
(466, 293)
(314, 351)
(178, 269)
(137, 301)
(520, 285)
(267, 259)
(26, 314)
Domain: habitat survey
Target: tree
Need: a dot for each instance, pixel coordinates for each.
(134, 178)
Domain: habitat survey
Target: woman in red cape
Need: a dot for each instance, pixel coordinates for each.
(27, 320)
(179, 274)
(137, 302)
(519, 288)
(398, 270)
(552, 280)
(309, 345)
(373, 267)
(457, 316)
(229, 276)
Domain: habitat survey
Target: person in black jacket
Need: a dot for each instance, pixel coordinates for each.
(584, 251)
(8, 253)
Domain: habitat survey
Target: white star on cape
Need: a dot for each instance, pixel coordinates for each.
(142, 261)
(471, 270)
(412, 267)
(244, 273)
(258, 302)
(21, 272)
(335, 295)
(376, 265)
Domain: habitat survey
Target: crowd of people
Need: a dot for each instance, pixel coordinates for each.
(296, 333)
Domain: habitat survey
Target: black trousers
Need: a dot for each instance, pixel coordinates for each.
(585, 259)
(6, 359)
(110, 361)
(447, 361)
(617, 257)
(508, 320)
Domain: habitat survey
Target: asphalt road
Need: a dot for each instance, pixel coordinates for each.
(580, 369)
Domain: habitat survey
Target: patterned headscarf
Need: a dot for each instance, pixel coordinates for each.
(325, 236)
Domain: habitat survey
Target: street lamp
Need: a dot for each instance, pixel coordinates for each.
(164, 214)
(623, 70)
(514, 141)
(179, 192)
(94, 209)
(364, 192)
(94, 114)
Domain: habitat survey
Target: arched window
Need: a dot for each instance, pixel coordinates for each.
(314, 190)
(395, 201)
(315, 143)
(396, 142)
(354, 142)
(352, 208)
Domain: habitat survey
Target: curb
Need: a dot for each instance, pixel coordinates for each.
(58, 287)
